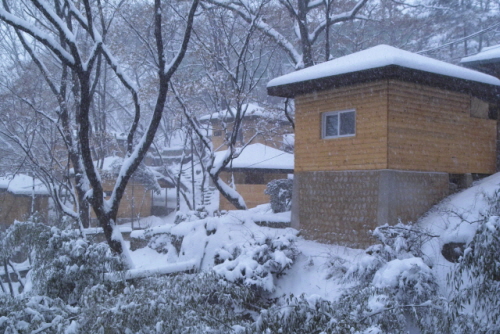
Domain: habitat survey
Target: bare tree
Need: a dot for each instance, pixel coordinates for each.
(235, 61)
(309, 22)
(74, 34)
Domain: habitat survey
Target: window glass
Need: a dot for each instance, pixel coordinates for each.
(331, 125)
(338, 123)
(347, 123)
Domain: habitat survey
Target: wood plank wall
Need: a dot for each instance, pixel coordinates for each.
(18, 207)
(366, 150)
(399, 125)
(431, 129)
(253, 194)
(136, 201)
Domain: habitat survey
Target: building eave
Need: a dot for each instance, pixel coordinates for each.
(478, 89)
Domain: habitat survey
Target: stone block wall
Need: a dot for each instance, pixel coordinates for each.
(342, 207)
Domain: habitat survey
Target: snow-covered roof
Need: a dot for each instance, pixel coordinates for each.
(21, 184)
(487, 55)
(379, 57)
(259, 156)
(249, 110)
(110, 163)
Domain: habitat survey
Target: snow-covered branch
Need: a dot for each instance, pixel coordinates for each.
(38, 34)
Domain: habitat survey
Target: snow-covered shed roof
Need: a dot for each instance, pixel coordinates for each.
(260, 156)
(248, 110)
(486, 56)
(381, 62)
(21, 184)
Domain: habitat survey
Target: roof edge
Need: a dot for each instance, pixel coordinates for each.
(478, 89)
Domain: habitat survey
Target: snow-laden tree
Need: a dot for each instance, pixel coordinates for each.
(72, 36)
(235, 58)
(310, 20)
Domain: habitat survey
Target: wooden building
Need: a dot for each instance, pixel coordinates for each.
(254, 168)
(260, 162)
(138, 200)
(20, 197)
(487, 61)
(268, 127)
(379, 135)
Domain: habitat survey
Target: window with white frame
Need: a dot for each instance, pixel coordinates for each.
(336, 124)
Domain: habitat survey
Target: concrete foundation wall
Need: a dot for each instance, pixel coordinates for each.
(343, 207)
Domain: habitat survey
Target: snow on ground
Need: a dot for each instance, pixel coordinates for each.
(454, 220)
(311, 273)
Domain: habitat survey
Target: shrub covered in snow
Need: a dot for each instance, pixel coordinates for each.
(35, 314)
(232, 245)
(198, 303)
(280, 192)
(68, 264)
(257, 262)
(63, 262)
(394, 288)
(475, 306)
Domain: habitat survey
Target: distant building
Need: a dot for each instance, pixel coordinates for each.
(21, 196)
(269, 128)
(262, 161)
(487, 61)
(256, 166)
(379, 134)
(139, 199)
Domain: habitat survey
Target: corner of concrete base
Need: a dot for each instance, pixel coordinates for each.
(295, 220)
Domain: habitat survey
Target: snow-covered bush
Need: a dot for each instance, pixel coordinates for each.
(298, 315)
(199, 303)
(312, 314)
(68, 264)
(280, 192)
(391, 286)
(257, 262)
(475, 306)
(35, 314)
(63, 263)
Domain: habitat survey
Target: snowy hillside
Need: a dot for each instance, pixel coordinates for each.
(271, 280)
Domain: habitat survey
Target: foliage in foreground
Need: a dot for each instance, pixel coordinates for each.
(391, 289)
(476, 279)
(185, 303)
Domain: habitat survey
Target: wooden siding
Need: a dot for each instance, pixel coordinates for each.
(18, 207)
(366, 150)
(253, 194)
(431, 129)
(136, 201)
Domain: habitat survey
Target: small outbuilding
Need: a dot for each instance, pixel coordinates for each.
(379, 134)
(258, 126)
(487, 61)
(20, 197)
(252, 170)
